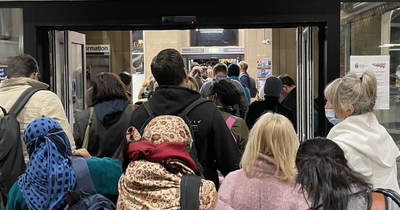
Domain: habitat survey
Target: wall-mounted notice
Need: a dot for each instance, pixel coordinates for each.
(260, 83)
(264, 63)
(99, 48)
(3, 72)
(380, 66)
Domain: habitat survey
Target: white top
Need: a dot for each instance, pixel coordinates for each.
(368, 148)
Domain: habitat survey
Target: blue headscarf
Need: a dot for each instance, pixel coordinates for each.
(49, 174)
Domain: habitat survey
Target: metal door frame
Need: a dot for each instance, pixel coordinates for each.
(305, 79)
(62, 42)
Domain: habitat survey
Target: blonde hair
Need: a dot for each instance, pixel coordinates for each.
(210, 73)
(360, 92)
(272, 135)
(243, 65)
(196, 74)
(192, 84)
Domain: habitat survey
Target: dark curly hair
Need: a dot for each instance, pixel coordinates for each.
(226, 91)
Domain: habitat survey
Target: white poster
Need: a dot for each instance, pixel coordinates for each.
(380, 66)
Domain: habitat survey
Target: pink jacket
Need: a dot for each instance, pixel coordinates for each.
(260, 191)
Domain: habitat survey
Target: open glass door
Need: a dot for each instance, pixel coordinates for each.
(305, 82)
(69, 70)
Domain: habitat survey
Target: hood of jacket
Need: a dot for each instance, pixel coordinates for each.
(172, 99)
(109, 112)
(9, 84)
(234, 78)
(364, 134)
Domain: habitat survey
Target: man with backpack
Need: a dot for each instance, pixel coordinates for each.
(246, 80)
(216, 149)
(21, 102)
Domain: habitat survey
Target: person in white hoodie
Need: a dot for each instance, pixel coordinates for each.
(368, 147)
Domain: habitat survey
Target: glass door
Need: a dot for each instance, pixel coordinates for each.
(305, 83)
(69, 70)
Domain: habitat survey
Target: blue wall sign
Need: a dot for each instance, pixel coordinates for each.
(3, 72)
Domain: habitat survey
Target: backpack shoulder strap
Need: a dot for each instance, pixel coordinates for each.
(378, 201)
(151, 116)
(84, 183)
(87, 131)
(148, 108)
(194, 104)
(190, 187)
(230, 121)
(22, 100)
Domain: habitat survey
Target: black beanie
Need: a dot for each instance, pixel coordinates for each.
(273, 87)
(233, 70)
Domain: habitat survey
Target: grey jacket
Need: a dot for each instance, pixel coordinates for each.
(358, 202)
(243, 105)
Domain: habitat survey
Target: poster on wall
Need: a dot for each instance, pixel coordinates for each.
(260, 83)
(3, 72)
(264, 63)
(380, 66)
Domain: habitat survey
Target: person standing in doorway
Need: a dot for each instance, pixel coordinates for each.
(289, 93)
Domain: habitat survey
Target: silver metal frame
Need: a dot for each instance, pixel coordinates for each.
(305, 78)
(61, 44)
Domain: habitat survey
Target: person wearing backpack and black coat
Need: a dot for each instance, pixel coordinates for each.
(216, 149)
(272, 90)
(111, 113)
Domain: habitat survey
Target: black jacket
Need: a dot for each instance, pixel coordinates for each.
(107, 134)
(257, 108)
(291, 102)
(216, 148)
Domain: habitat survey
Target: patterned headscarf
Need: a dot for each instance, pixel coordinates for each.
(49, 174)
(156, 185)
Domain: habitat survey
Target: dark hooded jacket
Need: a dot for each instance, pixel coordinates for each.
(107, 134)
(258, 108)
(216, 148)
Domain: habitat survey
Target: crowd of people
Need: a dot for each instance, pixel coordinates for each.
(193, 140)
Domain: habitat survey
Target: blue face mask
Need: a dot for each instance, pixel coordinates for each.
(330, 115)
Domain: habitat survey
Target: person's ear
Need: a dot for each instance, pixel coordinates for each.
(186, 73)
(350, 110)
(34, 75)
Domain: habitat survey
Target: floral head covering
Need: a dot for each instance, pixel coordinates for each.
(156, 185)
(49, 175)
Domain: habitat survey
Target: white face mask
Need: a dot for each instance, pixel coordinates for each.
(330, 115)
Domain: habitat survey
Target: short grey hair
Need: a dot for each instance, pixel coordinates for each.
(360, 92)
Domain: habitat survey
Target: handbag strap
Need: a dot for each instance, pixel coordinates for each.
(378, 201)
(87, 131)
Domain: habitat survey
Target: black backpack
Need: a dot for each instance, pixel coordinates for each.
(12, 163)
(183, 114)
(252, 88)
